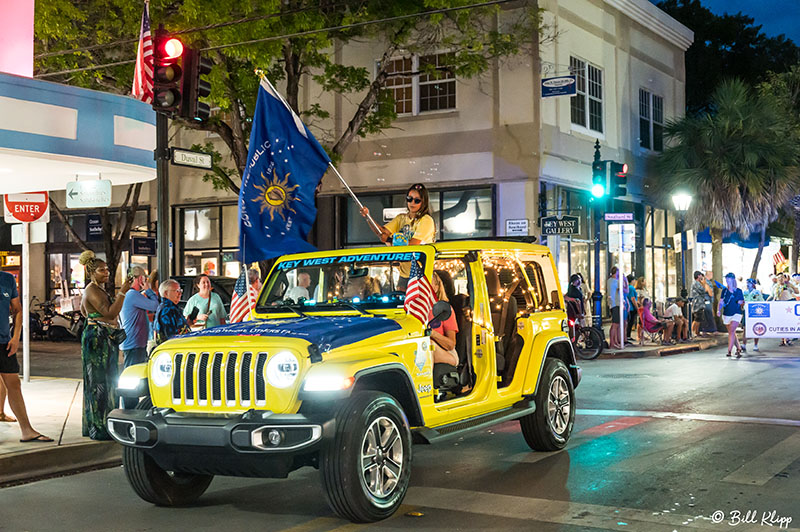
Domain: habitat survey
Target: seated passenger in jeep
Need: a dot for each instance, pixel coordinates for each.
(444, 336)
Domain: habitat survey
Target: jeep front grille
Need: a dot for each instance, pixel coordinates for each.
(228, 378)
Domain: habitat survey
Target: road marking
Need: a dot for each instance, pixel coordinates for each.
(659, 452)
(615, 425)
(320, 523)
(763, 468)
(690, 417)
(559, 512)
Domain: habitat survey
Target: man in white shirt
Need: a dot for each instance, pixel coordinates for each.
(675, 311)
(301, 290)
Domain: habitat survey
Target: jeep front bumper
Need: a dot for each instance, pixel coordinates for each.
(256, 443)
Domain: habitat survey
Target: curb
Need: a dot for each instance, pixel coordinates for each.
(28, 465)
(657, 352)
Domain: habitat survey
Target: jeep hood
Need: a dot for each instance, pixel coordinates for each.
(326, 332)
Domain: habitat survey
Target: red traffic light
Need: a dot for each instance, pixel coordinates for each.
(624, 168)
(172, 49)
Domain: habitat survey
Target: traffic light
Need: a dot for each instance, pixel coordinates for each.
(619, 179)
(194, 86)
(167, 73)
(599, 179)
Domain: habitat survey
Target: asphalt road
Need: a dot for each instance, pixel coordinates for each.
(675, 443)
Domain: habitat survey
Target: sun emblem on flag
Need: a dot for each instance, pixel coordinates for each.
(276, 195)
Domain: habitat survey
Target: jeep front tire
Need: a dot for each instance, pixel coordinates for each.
(153, 484)
(549, 427)
(366, 466)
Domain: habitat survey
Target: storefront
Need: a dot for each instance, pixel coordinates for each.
(654, 257)
(463, 212)
(66, 274)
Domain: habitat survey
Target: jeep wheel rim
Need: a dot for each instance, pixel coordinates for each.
(382, 457)
(558, 405)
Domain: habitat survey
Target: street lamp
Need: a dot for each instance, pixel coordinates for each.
(682, 199)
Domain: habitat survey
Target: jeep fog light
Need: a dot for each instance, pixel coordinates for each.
(282, 369)
(274, 437)
(162, 369)
(327, 383)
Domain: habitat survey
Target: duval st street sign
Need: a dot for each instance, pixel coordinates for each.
(195, 159)
(565, 225)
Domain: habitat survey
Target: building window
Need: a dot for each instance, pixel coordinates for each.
(651, 121)
(586, 107)
(418, 89)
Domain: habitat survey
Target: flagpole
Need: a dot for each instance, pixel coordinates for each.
(372, 223)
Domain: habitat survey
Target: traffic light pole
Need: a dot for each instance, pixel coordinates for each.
(597, 297)
(162, 172)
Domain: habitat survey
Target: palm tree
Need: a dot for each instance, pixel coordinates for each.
(739, 161)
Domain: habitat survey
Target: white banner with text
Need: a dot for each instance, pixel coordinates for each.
(773, 319)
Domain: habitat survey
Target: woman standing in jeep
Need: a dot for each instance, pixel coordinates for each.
(413, 227)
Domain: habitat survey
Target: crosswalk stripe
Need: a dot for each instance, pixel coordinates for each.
(764, 467)
(559, 512)
(690, 416)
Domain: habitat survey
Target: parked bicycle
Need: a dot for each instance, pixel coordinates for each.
(587, 341)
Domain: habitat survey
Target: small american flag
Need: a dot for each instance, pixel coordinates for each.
(143, 74)
(242, 299)
(779, 260)
(419, 294)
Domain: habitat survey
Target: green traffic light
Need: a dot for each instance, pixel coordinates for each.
(598, 190)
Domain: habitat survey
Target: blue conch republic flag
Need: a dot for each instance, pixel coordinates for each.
(284, 165)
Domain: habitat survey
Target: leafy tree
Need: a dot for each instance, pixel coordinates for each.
(739, 160)
(785, 87)
(728, 46)
(291, 41)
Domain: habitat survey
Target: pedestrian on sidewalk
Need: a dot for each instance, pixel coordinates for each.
(136, 325)
(652, 324)
(614, 302)
(702, 296)
(633, 308)
(751, 294)
(784, 290)
(730, 310)
(99, 346)
(151, 292)
(9, 366)
(4, 418)
(675, 311)
(170, 320)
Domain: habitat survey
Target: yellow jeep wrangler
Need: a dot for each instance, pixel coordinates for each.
(333, 373)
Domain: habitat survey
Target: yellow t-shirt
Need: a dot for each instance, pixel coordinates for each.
(422, 229)
(403, 229)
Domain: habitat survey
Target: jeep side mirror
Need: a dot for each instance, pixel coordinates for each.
(441, 312)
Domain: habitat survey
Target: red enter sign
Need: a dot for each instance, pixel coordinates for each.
(28, 207)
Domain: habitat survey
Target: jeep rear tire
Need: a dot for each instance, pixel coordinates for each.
(366, 466)
(153, 484)
(550, 426)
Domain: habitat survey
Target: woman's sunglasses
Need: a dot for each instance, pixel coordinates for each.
(415, 201)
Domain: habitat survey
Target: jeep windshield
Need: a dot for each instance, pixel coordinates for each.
(358, 282)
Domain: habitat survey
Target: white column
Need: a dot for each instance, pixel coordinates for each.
(26, 298)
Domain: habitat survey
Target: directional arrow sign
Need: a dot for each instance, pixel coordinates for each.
(83, 194)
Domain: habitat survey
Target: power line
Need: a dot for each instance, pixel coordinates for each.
(181, 32)
(288, 36)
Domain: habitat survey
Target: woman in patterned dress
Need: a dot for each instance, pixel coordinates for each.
(99, 347)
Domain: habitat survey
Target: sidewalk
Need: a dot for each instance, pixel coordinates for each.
(54, 408)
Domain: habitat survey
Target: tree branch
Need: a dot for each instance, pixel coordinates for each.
(65, 222)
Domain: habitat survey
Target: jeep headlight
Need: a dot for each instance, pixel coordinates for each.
(282, 369)
(162, 369)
